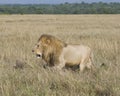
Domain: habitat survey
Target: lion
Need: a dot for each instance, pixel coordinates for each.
(58, 54)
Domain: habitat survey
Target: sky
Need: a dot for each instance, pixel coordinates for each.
(50, 1)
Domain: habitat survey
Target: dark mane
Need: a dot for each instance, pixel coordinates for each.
(53, 39)
(53, 50)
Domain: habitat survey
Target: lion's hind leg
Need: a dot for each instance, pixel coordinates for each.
(82, 67)
(85, 63)
(89, 64)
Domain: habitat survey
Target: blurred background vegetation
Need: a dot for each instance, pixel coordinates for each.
(66, 8)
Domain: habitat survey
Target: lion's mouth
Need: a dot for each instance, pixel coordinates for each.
(38, 55)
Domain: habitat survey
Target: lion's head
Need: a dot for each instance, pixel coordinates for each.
(49, 48)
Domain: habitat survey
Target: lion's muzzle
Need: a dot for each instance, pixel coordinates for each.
(38, 55)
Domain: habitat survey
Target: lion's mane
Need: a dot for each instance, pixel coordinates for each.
(52, 51)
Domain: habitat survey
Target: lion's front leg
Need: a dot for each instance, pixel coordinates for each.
(61, 64)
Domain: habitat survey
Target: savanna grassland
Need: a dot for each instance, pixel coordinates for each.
(22, 74)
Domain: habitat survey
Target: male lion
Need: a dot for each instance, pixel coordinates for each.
(58, 54)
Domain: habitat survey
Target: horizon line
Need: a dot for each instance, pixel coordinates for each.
(54, 3)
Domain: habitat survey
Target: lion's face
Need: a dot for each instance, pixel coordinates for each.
(39, 48)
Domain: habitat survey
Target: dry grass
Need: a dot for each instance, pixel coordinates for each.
(21, 74)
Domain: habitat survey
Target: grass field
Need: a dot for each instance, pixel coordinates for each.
(22, 74)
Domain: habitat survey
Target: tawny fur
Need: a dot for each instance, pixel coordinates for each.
(57, 53)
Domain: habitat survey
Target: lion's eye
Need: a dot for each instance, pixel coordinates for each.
(37, 45)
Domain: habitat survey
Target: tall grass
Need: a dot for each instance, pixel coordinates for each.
(18, 35)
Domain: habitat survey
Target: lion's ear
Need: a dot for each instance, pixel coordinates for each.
(47, 41)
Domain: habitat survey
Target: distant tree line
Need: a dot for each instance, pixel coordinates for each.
(66, 8)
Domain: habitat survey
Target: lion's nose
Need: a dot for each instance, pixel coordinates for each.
(32, 50)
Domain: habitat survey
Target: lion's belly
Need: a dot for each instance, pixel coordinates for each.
(72, 60)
